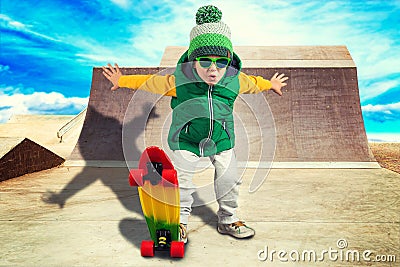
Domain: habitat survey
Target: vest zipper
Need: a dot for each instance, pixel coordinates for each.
(225, 129)
(211, 110)
(185, 126)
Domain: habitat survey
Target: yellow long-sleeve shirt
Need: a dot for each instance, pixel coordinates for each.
(165, 84)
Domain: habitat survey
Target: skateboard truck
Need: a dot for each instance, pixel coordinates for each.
(164, 238)
(154, 172)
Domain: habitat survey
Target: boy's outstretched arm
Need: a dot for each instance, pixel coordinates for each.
(157, 84)
(112, 75)
(250, 84)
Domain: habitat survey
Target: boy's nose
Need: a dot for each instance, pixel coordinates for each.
(213, 66)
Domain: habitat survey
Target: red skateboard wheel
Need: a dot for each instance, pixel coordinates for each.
(177, 249)
(147, 248)
(136, 177)
(170, 177)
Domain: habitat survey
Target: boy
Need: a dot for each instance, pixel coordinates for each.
(203, 88)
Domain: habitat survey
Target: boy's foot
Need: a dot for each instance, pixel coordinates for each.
(183, 237)
(237, 229)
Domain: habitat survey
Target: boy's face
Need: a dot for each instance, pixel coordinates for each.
(210, 75)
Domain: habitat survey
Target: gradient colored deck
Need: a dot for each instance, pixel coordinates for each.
(160, 205)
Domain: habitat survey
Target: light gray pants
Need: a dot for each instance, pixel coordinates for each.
(226, 183)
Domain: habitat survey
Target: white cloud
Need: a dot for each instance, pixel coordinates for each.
(38, 103)
(122, 3)
(4, 68)
(152, 36)
(9, 23)
(377, 88)
(384, 137)
(382, 113)
(90, 52)
(22, 100)
(124, 55)
(388, 108)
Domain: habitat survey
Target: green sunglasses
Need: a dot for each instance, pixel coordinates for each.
(220, 62)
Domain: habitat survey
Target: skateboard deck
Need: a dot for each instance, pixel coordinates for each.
(158, 190)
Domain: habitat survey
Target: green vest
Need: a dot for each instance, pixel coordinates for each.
(202, 117)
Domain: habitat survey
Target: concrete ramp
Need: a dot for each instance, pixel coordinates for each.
(19, 156)
(318, 119)
(101, 136)
(28, 143)
(42, 129)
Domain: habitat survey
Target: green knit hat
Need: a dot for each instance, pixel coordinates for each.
(210, 36)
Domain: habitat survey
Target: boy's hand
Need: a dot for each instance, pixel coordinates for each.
(278, 82)
(112, 75)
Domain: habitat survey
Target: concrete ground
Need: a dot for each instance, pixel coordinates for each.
(87, 216)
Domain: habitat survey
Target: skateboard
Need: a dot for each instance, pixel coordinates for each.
(158, 189)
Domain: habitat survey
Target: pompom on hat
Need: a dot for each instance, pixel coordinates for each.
(210, 36)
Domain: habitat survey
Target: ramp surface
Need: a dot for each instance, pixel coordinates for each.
(28, 143)
(19, 156)
(318, 119)
(42, 129)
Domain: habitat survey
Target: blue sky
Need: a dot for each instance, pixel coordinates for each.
(48, 47)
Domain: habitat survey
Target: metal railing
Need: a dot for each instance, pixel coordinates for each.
(71, 124)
